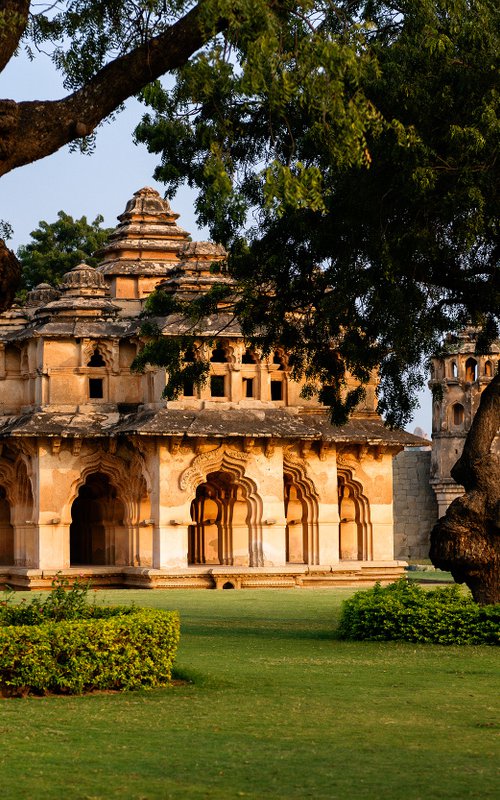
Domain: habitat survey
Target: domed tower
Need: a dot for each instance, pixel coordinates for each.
(458, 376)
(145, 247)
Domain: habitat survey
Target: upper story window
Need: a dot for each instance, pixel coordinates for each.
(248, 387)
(278, 378)
(276, 390)
(454, 369)
(12, 360)
(96, 388)
(217, 386)
(96, 359)
(95, 382)
(488, 369)
(458, 414)
(219, 355)
(249, 357)
(471, 370)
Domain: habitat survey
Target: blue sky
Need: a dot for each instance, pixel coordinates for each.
(90, 185)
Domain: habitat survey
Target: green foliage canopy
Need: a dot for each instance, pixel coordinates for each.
(57, 247)
(347, 154)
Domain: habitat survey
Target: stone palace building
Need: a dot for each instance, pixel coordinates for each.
(240, 484)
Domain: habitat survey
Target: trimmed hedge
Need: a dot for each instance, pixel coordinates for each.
(133, 649)
(405, 611)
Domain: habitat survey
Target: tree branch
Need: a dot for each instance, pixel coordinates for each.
(35, 129)
(14, 16)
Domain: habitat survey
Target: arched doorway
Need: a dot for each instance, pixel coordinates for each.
(6, 531)
(296, 523)
(301, 514)
(96, 516)
(355, 530)
(220, 533)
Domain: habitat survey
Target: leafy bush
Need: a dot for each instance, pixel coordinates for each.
(63, 602)
(133, 649)
(407, 612)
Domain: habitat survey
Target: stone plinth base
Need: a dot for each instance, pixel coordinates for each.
(347, 573)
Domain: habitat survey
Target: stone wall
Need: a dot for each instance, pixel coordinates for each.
(415, 506)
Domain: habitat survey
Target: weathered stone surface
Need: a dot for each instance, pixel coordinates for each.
(241, 480)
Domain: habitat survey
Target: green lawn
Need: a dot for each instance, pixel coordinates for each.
(277, 708)
(428, 576)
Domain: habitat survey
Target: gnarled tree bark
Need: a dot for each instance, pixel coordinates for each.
(10, 275)
(466, 541)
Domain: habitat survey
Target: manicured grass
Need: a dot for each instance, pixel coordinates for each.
(429, 576)
(277, 709)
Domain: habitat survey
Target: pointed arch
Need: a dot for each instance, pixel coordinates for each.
(6, 530)
(210, 468)
(488, 369)
(471, 370)
(97, 516)
(223, 519)
(100, 350)
(129, 473)
(301, 512)
(457, 415)
(356, 531)
(16, 478)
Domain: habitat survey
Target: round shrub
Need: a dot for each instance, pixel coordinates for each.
(405, 611)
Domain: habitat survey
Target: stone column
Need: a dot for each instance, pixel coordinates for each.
(55, 474)
(170, 508)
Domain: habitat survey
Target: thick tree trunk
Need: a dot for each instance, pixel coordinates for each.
(10, 274)
(466, 541)
(13, 21)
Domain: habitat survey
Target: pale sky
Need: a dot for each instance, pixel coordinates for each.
(90, 185)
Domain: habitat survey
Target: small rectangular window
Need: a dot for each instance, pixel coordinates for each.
(217, 386)
(276, 390)
(248, 387)
(188, 388)
(96, 391)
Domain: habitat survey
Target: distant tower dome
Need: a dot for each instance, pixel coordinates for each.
(147, 246)
(83, 280)
(146, 241)
(41, 294)
(84, 294)
(147, 201)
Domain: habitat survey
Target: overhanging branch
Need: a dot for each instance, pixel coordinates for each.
(32, 130)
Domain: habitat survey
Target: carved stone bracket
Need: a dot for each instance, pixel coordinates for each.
(174, 444)
(324, 449)
(269, 448)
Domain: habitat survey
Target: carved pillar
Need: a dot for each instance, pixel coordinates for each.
(170, 511)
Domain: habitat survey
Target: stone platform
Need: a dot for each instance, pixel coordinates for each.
(349, 574)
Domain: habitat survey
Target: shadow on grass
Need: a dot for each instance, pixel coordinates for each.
(228, 631)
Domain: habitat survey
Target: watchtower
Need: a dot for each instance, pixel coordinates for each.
(458, 377)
